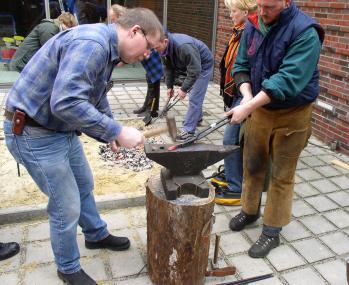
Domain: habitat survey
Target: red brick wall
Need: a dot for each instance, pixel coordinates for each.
(156, 6)
(192, 18)
(333, 15)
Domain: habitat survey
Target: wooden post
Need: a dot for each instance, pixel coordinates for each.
(178, 235)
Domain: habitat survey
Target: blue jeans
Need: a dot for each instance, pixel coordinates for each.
(233, 162)
(196, 99)
(57, 163)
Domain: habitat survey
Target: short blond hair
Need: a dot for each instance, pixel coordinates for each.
(118, 10)
(245, 5)
(67, 19)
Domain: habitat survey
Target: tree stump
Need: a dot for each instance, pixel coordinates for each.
(178, 236)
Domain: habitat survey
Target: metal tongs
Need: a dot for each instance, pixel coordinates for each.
(170, 102)
(203, 133)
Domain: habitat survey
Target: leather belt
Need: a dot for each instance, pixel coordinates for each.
(28, 121)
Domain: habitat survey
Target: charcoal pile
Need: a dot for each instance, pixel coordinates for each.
(129, 158)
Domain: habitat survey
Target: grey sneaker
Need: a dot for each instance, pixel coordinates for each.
(263, 246)
(183, 136)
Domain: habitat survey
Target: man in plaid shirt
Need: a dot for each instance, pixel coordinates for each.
(154, 73)
(62, 91)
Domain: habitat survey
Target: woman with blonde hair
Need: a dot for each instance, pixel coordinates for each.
(228, 184)
(38, 37)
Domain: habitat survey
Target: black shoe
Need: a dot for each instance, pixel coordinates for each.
(139, 111)
(241, 220)
(263, 246)
(77, 278)
(225, 196)
(154, 114)
(110, 242)
(8, 250)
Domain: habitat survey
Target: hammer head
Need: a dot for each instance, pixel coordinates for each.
(171, 126)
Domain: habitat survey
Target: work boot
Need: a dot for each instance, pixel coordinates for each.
(8, 250)
(263, 246)
(77, 278)
(183, 136)
(227, 197)
(241, 220)
(110, 242)
(139, 110)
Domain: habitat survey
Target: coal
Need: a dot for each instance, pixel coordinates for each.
(129, 158)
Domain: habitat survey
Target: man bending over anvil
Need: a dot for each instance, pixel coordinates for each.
(183, 54)
(62, 91)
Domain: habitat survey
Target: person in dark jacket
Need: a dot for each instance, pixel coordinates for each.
(276, 72)
(186, 55)
(38, 37)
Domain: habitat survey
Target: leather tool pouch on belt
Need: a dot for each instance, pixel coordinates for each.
(18, 122)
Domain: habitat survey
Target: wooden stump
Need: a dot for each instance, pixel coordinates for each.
(178, 235)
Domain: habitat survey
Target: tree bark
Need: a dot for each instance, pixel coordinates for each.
(178, 235)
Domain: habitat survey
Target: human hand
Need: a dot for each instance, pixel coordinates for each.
(170, 92)
(238, 114)
(181, 93)
(130, 137)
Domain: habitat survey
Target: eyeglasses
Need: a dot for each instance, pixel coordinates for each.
(149, 46)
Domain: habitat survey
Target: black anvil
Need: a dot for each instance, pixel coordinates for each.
(182, 172)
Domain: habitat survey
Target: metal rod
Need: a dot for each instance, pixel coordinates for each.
(248, 280)
(18, 170)
(216, 248)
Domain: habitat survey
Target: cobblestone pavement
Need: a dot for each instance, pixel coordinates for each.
(313, 250)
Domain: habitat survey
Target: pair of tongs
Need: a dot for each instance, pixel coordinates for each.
(203, 133)
(168, 105)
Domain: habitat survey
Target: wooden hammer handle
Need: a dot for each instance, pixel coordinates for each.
(155, 132)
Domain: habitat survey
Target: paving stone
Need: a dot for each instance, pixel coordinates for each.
(94, 267)
(324, 186)
(340, 218)
(39, 252)
(221, 224)
(249, 267)
(341, 198)
(305, 190)
(45, 274)
(40, 231)
(304, 276)
(11, 264)
(142, 234)
(313, 224)
(312, 161)
(233, 243)
(304, 153)
(333, 271)
(284, 257)
(136, 281)
(312, 250)
(301, 165)
(85, 252)
(327, 158)
(308, 174)
(321, 203)
(300, 208)
(327, 171)
(138, 216)
(116, 220)
(342, 182)
(314, 150)
(338, 242)
(294, 231)
(11, 234)
(9, 279)
(297, 179)
(253, 232)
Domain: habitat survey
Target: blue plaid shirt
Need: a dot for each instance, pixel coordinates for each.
(153, 66)
(63, 86)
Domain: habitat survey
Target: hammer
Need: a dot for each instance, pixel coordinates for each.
(170, 127)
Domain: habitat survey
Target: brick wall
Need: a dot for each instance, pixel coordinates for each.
(331, 112)
(156, 6)
(191, 18)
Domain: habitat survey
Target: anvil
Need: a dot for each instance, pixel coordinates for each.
(182, 172)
